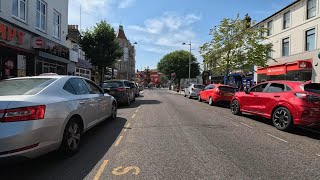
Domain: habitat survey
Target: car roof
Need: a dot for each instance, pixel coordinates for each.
(286, 82)
(49, 77)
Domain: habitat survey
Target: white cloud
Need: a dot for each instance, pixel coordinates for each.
(125, 3)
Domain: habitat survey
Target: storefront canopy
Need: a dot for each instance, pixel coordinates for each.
(283, 68)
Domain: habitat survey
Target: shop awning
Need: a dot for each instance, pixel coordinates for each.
(53, 57)
(84, 64)
(283, 68)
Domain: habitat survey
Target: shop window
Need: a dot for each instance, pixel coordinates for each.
(269, 26)
(285, 47)
(19, 9)
(56, 24)
(310, 39)
(311, 8)
(286, 20)
(41, 15)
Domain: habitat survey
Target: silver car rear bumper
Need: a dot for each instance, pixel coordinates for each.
(29, 138)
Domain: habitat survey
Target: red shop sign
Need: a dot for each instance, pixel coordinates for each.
(278, 70)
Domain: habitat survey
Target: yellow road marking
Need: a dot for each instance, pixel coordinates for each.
(127, 126)
(102, 167)
(133, 116)
(118, 141)
(119, 171)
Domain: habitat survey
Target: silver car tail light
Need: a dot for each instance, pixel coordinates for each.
(23, 114)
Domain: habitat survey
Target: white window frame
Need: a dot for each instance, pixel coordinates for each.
(285, 20)
(56, 24)
(315, 38)
(316, 2)
(19, 12)
(45, 16)
(270, 28)
(289, 50)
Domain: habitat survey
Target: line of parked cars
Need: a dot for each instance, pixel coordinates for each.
(50, 112)
(286, 103)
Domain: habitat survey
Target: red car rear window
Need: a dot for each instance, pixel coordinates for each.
(226, 89)
(313, 87)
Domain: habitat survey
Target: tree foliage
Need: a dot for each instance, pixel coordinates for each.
(235, 45)
(101, 46)
(178, 62)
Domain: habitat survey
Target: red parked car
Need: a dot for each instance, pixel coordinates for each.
(286, 103)
(216, 93)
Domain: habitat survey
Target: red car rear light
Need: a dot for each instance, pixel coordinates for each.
(301, 95)
(308, 97)
(121, 89)
(23, 114)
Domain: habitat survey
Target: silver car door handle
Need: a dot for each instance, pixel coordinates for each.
(81, 102)
(99, 99)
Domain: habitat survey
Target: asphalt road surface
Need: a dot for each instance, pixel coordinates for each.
(166, 136)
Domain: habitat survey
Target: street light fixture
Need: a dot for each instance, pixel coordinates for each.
(185, 44)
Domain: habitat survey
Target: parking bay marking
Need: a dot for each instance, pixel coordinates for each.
(137, 110)
(133, 116)
(277, 138)
(118, 141)
(247, 125)
(102, 167)
(119, 171)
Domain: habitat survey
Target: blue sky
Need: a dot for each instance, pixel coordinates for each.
(161, 26)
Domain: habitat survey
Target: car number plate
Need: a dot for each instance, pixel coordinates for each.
(227, 94)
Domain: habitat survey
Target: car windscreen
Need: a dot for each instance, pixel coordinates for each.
(313, 87)
(226, 89)
(112, 84)
(198, 86)
(24, 86)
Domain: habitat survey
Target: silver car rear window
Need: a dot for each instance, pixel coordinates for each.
(112, 84)
(199, 86)
(24, 86)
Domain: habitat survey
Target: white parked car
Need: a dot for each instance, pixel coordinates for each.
(193, 90)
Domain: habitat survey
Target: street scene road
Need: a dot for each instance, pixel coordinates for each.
(166, 136)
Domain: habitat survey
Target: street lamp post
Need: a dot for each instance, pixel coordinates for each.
(190, 45)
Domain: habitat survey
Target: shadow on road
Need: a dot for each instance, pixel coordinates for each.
(301, 131)
(95, 144)
(139, 102)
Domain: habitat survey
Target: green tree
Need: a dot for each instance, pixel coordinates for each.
(101, 46)
(235, 45)
(164, 80)
(147, 78)
(178, 62)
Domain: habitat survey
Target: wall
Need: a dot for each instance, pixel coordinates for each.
(60, 6)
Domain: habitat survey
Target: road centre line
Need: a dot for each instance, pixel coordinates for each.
(247, 125)
(277, 138)
(118, 141)
(133, 116)
(101, 169)
(126, 127)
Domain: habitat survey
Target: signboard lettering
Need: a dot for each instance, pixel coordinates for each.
(9, 34)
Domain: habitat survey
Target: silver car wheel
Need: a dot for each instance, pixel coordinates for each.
(73, 137)
(114, 111)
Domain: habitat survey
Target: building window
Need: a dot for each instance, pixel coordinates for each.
(19, 9)
(41, 15)
(269, 54)
(285, 47)
(269, 32)
(311, 8)
(310, 39)
(286, 20)
(56, 24)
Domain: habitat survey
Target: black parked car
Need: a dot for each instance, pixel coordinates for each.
(123, 90)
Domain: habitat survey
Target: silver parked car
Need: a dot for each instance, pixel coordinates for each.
(193, 90)
(44, 113)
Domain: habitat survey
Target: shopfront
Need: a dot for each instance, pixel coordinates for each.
(16, 53)
(51, 57)
(300, 70)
